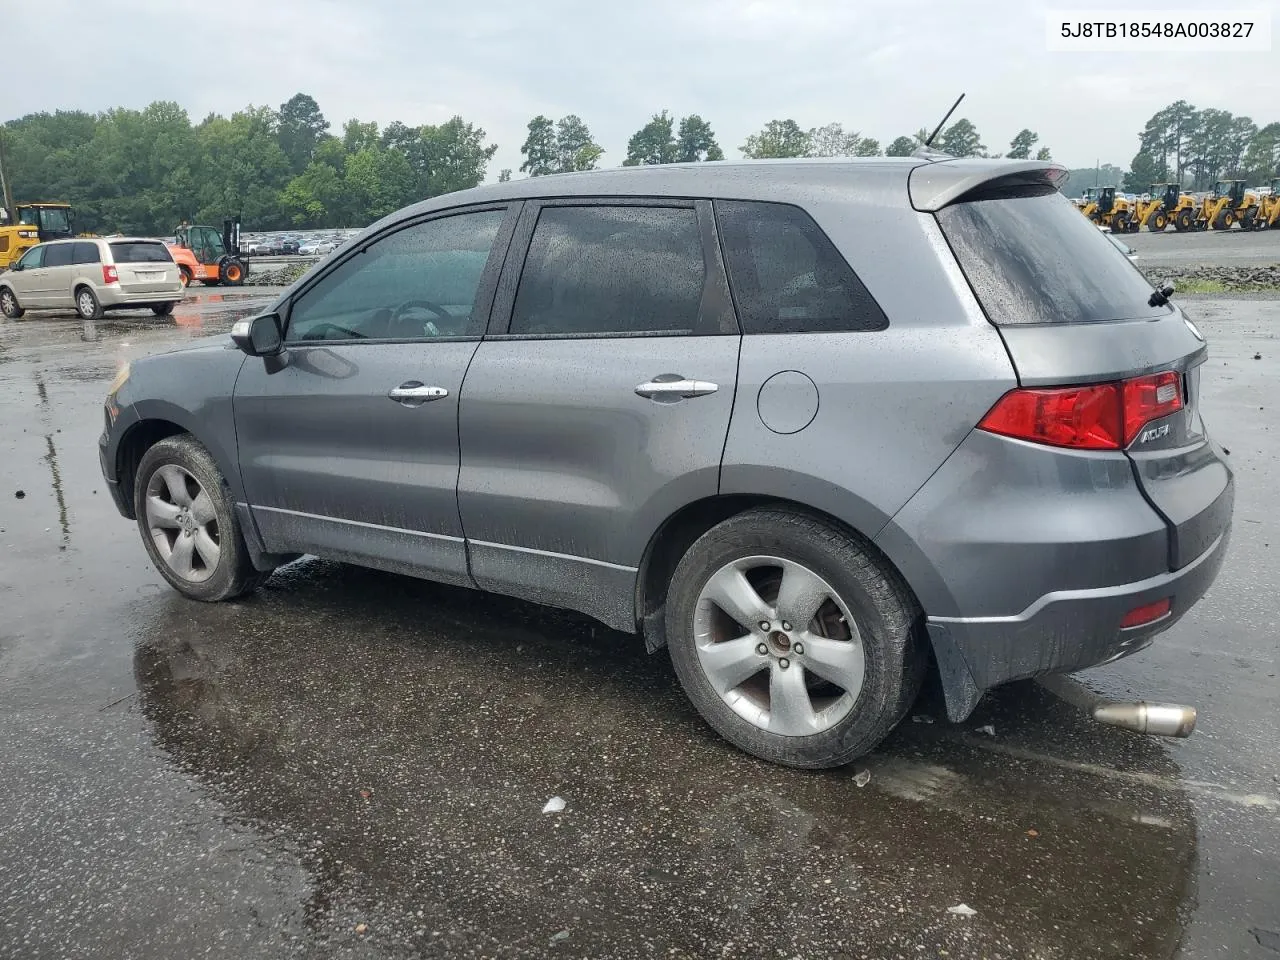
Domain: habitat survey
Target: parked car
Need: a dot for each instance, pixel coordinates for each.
(287, 246)
(710, 406)
(92, 275)
(313, 248)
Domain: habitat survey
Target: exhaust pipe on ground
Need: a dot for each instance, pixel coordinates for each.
(1155, 719)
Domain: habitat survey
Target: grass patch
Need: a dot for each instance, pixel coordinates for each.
(1200, 286)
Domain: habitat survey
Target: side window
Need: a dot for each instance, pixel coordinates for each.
(787, 276)
(611, 269)
(417, 283)
(33, 258)
(85, 252)
(58, 254)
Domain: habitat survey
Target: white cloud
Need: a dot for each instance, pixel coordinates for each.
(884, 67)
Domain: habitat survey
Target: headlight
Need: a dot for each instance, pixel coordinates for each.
(119, 381)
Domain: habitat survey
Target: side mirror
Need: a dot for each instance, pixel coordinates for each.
(259, 336)
(17, 266)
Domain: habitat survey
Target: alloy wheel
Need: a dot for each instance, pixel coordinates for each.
(183, 523)
(779, 646)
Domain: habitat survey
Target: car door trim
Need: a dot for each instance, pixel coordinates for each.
(357, 523)
(554, 555)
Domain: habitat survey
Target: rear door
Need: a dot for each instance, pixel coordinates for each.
(599, 404)
(1072, 310)
(349, 447)
(57, 275)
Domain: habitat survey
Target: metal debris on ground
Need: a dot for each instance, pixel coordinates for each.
(554, 805)
(562, 935)
(863, 778)
(962, 910)
(988, 729)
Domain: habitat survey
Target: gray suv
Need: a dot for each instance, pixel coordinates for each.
(816, 427)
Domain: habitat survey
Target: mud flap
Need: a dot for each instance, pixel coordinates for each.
(958, 687)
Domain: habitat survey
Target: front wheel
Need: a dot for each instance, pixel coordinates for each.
(188, 522)
(792, 640)
(162, 309)
(1158, 223)
(9, 305)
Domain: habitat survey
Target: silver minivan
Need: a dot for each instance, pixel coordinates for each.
(92, 275)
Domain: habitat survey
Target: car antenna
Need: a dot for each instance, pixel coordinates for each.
(925, 151)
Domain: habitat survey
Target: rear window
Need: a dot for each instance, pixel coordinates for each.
(787, 276)
(135, 251)
(1036, 260)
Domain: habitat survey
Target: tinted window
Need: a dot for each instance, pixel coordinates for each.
(786, 274)
(58, 254)
(33, 257)
(1035, 259)
(85, 252)
(137, 252)
(419, 282)
(623, 269)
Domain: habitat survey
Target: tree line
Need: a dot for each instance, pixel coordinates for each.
(143, 171)
(1181, 144)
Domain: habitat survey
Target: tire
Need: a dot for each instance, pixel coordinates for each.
(1119, 223)
(180, 469)
(232, 272)
(9, 305)
(87, 304)
(184, 275)
(1224, 220)
(1183, 221)
(1158, 223)
(827, 723)
(162, 309)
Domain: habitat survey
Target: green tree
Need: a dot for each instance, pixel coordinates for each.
(314, 197)
(696, 141)
(540, 150)
(1243, 130)
(961, 140)
(504, 175)
(1020, 146)
(357, 136)
(832, 140)
(1044, 154)
(778, 139)
(902, 147)
(654, 143)
(301, 125)
(1262, 159)
(867, 147)
(1210, 145)
(453, 156)
(575, 149)
(1145, 169)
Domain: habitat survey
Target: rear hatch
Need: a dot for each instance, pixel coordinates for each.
(1086, 334)
(145, 266)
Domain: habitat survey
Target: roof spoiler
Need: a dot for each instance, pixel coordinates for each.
(933, 186)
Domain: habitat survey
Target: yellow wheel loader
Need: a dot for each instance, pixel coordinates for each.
(1114, 212)
(1166, 203)
(1268, 215)
(1228, 204)
(32, 223)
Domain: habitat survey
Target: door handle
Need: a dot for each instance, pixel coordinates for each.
(675, 389)
(415, 394)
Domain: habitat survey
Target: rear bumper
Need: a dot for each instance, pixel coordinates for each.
(1062, 631)
(111, 295)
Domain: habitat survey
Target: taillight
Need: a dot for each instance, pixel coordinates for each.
(109, 274)
(1147, 613)
(1102, 416)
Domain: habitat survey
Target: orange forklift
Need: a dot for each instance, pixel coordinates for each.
(203, 255)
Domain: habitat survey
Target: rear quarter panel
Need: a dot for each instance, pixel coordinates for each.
(892, 404)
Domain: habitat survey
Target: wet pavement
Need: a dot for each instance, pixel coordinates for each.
(1225, 248)
(354, 764)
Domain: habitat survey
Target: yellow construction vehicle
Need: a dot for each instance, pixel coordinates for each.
(1087, 202)
(1168, 204)
(1229, 203)
(29, 224)
(1268, 215)
(1111, 211)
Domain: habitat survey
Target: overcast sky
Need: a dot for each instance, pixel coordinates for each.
(882, 67)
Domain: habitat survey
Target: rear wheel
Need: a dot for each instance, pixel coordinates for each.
(792, 640)
(1120, 223)
(188, 522)
(87, 304)
(184, 275)
(9, 305)
(162, 309)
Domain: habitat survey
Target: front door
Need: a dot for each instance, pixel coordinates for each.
(601, 407)
(349, 449)
(29, 278)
